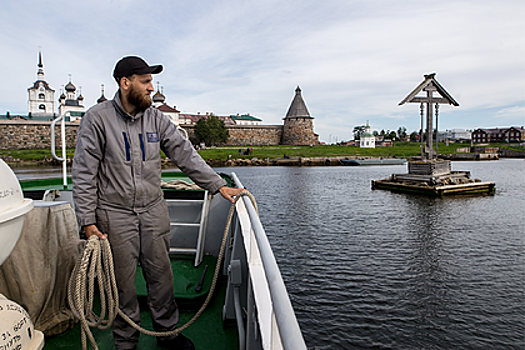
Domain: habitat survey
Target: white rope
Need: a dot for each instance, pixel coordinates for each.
(97, 260)
(179, 185)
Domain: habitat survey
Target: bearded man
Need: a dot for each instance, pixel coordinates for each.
(117, 195)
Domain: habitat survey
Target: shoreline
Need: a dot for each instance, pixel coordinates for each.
(283, 161)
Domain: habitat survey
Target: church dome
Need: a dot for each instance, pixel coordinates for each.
(70, 87)
(80, 98)
(158, 97)
(62, 97)
(102, 98)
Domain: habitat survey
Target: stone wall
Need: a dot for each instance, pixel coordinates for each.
(36, 134)
(255, 135)
(16, 135)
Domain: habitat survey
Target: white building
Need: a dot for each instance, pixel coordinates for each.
(455, 135)
(71, 105)
(41, 100)
(246, 119)
(367, 140)
(159, 102)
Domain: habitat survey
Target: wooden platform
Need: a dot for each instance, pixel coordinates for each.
(453, 183)
(487, 187)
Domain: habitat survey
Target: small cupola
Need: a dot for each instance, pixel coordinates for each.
(102, 98)
(159, 98)
(70, 87)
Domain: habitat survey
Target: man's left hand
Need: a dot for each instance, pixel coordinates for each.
(229, 193)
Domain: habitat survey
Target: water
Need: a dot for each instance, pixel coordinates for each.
(372, 269)
(378, 270)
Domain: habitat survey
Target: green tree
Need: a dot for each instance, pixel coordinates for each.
(402, 132)
(212, 131)
(358, 131)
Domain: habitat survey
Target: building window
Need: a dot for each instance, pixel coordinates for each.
(41, 96)
(42, 107)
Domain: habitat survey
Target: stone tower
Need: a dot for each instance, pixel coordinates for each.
(298, 124)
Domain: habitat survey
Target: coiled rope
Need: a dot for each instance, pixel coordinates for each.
(97, 260)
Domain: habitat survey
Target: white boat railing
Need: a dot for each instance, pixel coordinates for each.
(281, 307)
(62, 159)
(183, 132)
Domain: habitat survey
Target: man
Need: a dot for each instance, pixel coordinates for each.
(117, 194)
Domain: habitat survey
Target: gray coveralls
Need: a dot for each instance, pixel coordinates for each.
(116, 185)
(142, 237)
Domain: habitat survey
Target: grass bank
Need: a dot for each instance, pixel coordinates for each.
(400, 149)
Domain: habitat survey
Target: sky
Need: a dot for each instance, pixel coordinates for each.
(354, 60)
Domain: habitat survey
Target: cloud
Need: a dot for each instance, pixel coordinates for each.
(515, 113)
(355, 60)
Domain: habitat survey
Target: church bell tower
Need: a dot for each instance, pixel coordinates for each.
(41, 100)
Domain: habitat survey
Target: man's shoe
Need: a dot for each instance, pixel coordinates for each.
(178, 343)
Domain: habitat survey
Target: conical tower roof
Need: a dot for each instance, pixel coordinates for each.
(298, 108)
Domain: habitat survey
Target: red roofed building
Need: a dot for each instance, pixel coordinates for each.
(192, 119)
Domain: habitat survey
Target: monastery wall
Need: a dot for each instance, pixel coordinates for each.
(16, 135)
(255, 135)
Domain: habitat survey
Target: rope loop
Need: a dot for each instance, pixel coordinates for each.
(97, 261)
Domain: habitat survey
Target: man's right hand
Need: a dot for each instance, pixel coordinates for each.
(91, 230)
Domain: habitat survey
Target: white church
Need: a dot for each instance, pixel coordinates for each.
(71, 104)
(41, 98)
(367, 140)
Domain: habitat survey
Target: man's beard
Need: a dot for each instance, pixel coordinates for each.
(139, 101)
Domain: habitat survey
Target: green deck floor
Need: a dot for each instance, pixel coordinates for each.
(207, 332)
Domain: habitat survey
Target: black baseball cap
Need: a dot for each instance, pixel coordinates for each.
(130, 65)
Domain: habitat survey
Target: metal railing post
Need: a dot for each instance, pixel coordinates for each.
(62, 159)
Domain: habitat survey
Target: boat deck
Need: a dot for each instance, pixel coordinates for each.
(207, 332)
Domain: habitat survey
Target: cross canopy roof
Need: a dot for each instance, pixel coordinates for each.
(429, 84)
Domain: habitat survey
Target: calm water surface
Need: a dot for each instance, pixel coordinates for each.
(378, 270)
(371, 269)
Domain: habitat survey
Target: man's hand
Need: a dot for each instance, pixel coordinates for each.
(91, 230)
(228, 193)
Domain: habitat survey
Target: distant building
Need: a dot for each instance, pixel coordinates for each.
(192, 119)
(71, 105)
(512, 134)
(246, 119)
(41, 101)
(384, 143)
(159, 102)
(367, 140)
(455, 135)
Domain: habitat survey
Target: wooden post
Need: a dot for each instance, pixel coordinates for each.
(422, 108)
(429, 143)
(437, 129)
